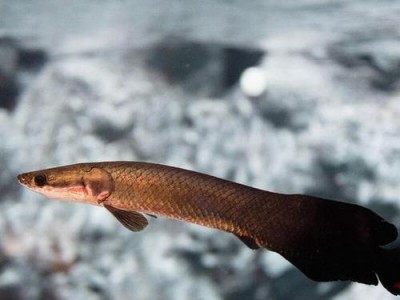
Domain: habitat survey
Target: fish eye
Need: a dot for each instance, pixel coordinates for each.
(40, 180)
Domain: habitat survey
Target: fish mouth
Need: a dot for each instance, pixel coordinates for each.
(22, 179)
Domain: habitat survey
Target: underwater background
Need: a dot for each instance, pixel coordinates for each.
(288, 96)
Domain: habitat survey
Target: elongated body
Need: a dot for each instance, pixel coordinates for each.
(325, 239)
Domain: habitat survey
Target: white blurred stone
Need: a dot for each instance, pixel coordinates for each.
(253, 82)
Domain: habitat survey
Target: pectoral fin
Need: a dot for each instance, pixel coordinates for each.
(153, 216)
(132, 220)
(249, 241)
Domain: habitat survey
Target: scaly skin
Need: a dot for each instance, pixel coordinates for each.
(184, 195)
(327, 240)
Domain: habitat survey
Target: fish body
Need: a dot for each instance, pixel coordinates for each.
(327, 240)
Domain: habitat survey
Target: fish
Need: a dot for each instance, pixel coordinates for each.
(326, 240)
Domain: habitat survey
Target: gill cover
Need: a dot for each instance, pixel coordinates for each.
(99, 184)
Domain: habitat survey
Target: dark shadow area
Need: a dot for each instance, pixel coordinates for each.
(236, 60)
(295, 286)
(192, 65)
(326, 180)
(18, 64)
(280, 118)
(9, 91)
(202, 68)
(109, 133)
(285, 110)
(9, 88)
(179, 60)
(32, 59)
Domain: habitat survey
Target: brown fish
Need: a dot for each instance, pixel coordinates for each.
(327, 240)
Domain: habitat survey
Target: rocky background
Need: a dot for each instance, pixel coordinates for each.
(290, 96)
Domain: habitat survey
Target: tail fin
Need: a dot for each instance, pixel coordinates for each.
(388, 270)
(330, 240)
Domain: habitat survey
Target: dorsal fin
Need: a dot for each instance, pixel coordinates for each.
(132, 220)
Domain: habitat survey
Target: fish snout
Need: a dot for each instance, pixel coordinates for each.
(23, 178)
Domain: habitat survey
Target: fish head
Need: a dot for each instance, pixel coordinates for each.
(79, 183)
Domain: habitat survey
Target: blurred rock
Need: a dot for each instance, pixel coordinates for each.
(376, 58)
